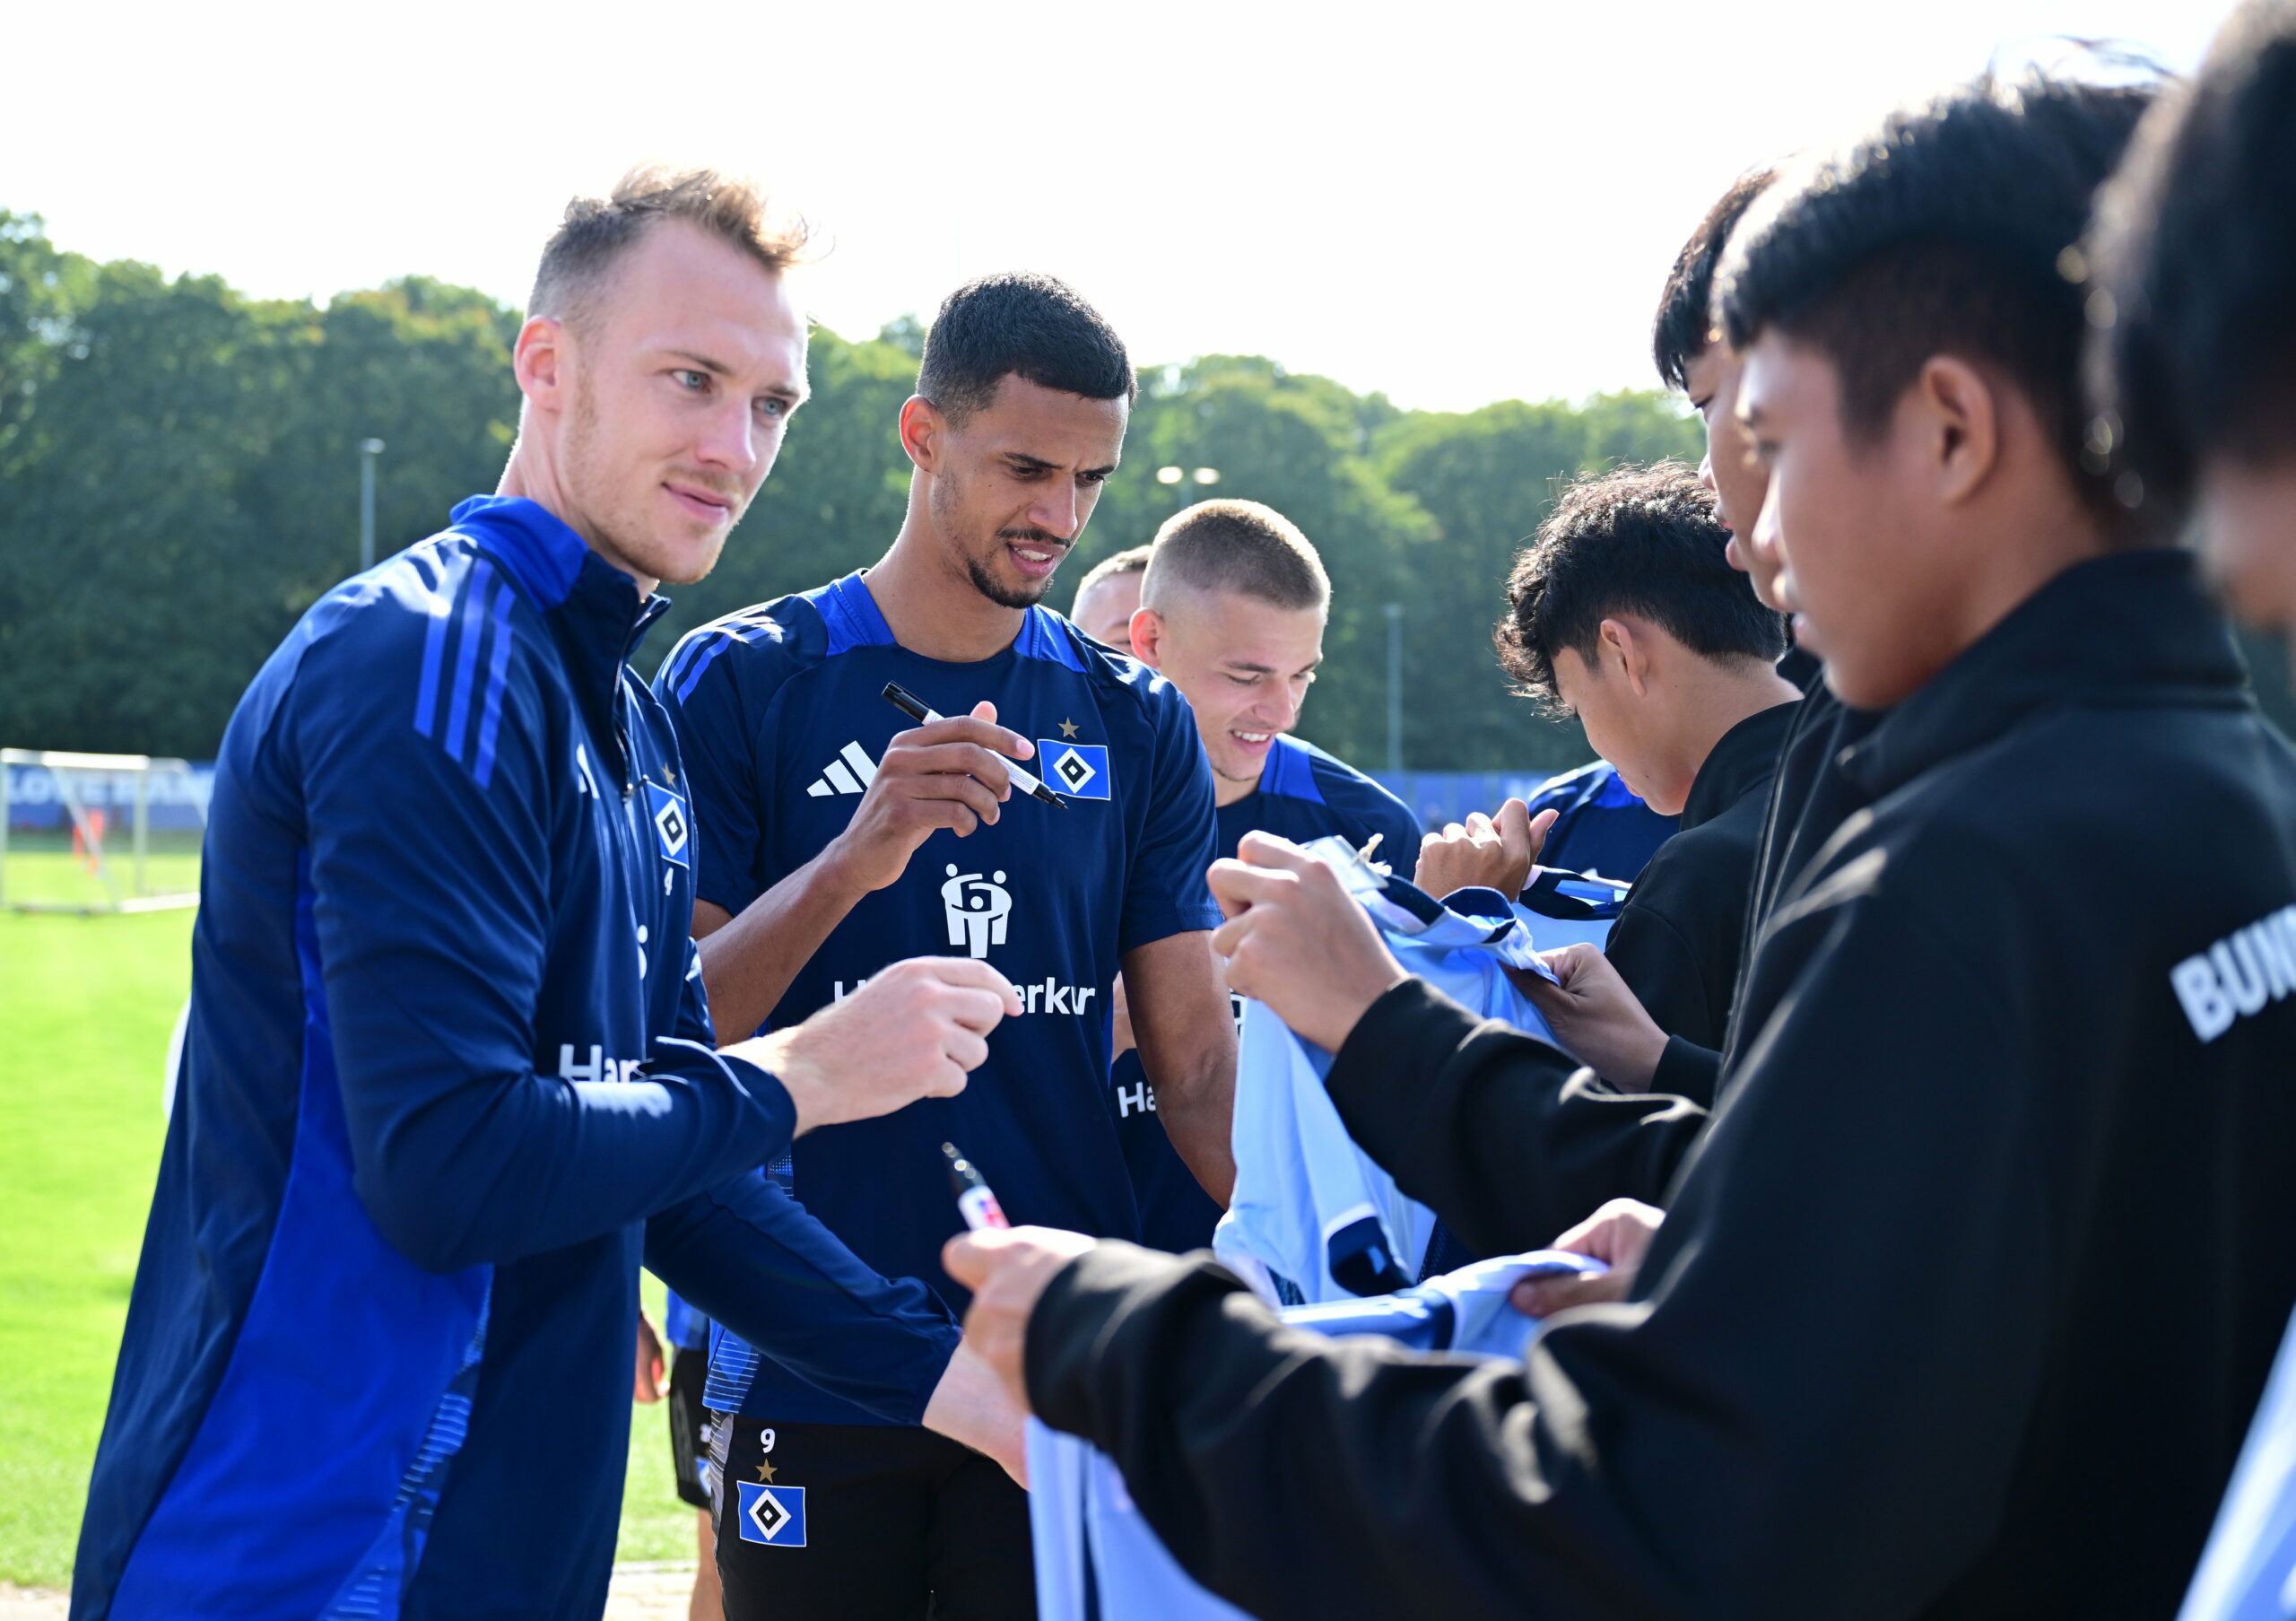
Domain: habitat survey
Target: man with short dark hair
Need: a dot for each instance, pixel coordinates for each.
(2194, 337)
(2190, 360)
(1879, 1359)
(1109, 596)
(1623, 612)
(1232, 609)
(448, 1068)
(836, 836)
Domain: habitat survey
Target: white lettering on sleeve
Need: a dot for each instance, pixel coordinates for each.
(2240, 975)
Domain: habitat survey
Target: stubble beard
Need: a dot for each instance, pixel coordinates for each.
(947, 519)
(618, 536)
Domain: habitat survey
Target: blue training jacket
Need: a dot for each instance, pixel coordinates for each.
(448, 1068)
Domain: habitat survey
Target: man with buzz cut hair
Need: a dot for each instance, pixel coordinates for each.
(1107, 598)
(1879, 1358)
(1624, 613)
(1232, 608)
(1232, 611)
(837, 835)
(448, 1068)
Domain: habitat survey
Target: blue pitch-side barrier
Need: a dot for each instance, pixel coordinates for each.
(175, 803)
(33, 806)
(1436, 798)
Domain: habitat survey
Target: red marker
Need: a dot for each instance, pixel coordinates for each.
(975, 1202)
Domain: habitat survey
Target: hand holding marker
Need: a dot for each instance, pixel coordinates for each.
(975, 1202)
(914, 707)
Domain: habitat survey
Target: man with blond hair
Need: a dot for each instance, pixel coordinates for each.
(1110, 596)
(448, 1070)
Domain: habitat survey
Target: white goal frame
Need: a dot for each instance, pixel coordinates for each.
(60, 763)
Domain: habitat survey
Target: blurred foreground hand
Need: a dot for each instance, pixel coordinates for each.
(1006, 1268)
(1619, 1235)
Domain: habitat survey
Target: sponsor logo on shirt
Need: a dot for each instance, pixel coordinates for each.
(979, 910)
(1047, 995)
(849, 773)
(2240, 975)
(1078, 770)
(774, 1515)
(597, 1066)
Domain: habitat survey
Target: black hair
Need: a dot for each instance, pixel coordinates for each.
(1020, 325)
(2191, 262)
(1684, 326)
(1944, 230)
(1637, 540)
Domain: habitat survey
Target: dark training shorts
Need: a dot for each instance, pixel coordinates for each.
(865, 1522)
(689, 1423)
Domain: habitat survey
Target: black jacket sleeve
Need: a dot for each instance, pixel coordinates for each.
(1499, 1134)
(1686, 1069)
(1817, 1410)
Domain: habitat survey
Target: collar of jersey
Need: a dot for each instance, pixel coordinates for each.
(592, 608)
(855, 621)
(534, 543)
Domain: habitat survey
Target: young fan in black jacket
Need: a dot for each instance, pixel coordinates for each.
(1510, 1143)
(1623, 612)
(1965, 1298)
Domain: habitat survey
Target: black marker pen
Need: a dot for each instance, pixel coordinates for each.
(909, 704)
(975, 1202)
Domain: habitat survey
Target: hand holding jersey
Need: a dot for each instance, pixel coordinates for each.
(1298, 941)
(1618, 1235)
(1596, 1015)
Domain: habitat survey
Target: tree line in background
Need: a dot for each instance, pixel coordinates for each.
(179, 481)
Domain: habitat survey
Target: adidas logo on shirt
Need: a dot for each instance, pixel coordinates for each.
(849, 773)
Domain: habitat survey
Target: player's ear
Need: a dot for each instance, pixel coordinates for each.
(1956, 410)
(1619, 651)
(539, 360)
(922, 426)
(1148, 637)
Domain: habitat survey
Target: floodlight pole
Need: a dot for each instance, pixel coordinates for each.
(368, 448)
(1394, 688)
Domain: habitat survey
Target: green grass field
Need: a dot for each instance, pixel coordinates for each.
(42, 870)
(86, 1007)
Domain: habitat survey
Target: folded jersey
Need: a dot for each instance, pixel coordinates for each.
(1313, 1218)
(1097, 1559)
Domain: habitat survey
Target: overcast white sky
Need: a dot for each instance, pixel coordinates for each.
(1454, 203)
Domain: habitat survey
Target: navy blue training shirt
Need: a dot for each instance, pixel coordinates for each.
(1600, 825)
(1304, 794)
(446, 1056)
(781, 714)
